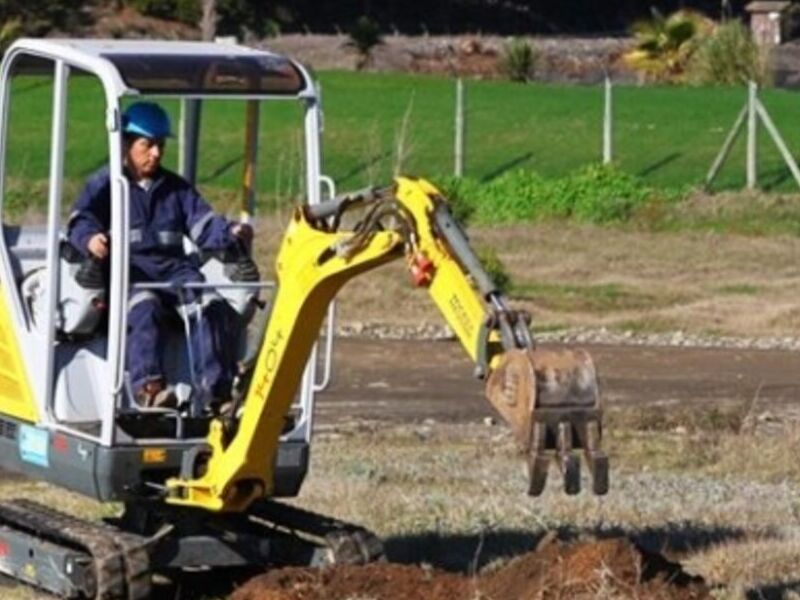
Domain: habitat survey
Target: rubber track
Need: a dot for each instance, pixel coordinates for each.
(350, 544)
(121, 560)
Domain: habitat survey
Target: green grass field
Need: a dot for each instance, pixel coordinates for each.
(667, 135)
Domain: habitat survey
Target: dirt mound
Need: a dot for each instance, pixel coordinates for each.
(608, 568)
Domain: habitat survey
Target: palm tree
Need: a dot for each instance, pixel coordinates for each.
(664, 45)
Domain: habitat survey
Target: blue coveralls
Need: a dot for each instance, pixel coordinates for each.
(159, 218)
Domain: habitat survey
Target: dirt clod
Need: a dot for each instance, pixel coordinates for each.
(607, 568)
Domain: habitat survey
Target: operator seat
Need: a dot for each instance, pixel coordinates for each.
(81, 304)
(81, 321)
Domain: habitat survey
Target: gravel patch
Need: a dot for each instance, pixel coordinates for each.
(579, 335)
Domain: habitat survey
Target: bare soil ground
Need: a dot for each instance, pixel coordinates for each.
(408, 381)
(606, 568)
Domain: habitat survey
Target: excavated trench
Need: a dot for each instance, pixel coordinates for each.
(612, 568)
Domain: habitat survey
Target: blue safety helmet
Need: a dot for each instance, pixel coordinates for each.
(146, 119)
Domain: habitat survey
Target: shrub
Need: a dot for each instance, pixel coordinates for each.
(459, 191)
(364, 35)
(519, 60)
(163, 9)
(9, 31)
(728, 57)
(495, 268)
(594, 194)
(42, 16)
(186, 11)
(601, 194)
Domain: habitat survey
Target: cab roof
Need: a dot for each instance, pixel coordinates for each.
(156, 67)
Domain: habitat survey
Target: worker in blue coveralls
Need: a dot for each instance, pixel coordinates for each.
(163, 208)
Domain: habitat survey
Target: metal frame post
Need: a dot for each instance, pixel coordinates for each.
(191, 110)
(250, 160)
(57, 139)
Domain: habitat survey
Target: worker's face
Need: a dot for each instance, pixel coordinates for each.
(144, 156)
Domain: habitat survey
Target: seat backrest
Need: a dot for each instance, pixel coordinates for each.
(81, 295)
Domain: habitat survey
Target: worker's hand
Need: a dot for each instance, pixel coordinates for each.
(243, 231)
(98, 245)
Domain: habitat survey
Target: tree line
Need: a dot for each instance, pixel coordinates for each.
(504, 17)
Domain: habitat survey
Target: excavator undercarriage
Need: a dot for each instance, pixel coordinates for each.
(77, 558)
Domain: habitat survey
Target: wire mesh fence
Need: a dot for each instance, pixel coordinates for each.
(377, 125)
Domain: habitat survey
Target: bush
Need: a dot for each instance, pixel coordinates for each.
(9, 31)
(729, 57)
(42, 16)
(186, 11)
(495, 268)
(519, 60)
(594, 194)
(458, 191)
(364, 35)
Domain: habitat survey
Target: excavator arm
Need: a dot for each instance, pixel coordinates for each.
(550, 399)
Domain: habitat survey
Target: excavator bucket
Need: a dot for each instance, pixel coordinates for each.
(551, 401)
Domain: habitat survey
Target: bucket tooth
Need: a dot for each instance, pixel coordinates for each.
(598, 466)
(567, 460)
(538, 460)
(596, 459)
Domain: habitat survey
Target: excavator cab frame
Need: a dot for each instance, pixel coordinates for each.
(205, 496)
(70, 395)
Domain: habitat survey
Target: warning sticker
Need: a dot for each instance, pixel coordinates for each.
(33, 445)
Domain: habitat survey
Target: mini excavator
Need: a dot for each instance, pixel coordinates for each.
(202, 490)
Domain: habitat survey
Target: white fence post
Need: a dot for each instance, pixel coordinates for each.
(608, 123)
(752, 136)
(776, 137)
(458, 170)
(726, 147)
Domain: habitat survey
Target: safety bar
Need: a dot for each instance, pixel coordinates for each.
(197, 285)
(328, 355)
(331, 207)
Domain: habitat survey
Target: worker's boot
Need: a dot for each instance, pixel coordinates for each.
(154, 394)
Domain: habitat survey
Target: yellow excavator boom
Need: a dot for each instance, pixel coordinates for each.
(550, 399)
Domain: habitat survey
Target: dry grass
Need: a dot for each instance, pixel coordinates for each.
(577, 275)
(707, 494)
(726, 503)
(722, 496)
